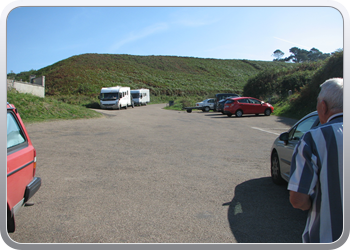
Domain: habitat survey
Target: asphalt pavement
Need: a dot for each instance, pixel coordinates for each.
(149, 175)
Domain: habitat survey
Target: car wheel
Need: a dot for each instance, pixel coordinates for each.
(206, 109)
(267, 112)
(275, 169)
(239, 113)
(10, 222)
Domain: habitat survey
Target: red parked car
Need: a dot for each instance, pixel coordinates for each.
(246, 105)
(21, 165)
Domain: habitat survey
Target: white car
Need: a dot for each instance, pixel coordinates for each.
(206, 105)
(283, 147)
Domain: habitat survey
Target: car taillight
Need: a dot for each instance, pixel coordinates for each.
(34, 165)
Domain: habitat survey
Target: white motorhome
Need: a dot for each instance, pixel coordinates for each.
(115, 98)
(140, 96)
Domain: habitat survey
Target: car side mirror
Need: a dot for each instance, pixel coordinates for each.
(284, 137)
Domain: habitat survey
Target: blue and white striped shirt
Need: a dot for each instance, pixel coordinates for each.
(317, 170)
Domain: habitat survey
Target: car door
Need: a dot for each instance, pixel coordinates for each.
(256, 107)
(20, 160)
(295, 133)
(245, 105)
(211, 103)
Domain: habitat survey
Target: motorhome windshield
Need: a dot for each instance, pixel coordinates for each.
(109, 96)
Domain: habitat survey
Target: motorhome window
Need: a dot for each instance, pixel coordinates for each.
(109, 96)
(135, 95)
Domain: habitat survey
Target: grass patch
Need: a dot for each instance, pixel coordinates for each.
(37, 109)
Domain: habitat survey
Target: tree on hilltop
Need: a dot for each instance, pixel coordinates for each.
(301, 55)
(278, 54)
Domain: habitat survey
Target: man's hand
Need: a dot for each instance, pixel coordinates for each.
(300, 200)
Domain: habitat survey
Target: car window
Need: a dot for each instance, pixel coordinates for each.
(298, 131)
(229, 101)
(15, 135)
(243, 101)
(254, 101)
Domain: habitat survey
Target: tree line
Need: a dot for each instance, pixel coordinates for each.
(301, 55)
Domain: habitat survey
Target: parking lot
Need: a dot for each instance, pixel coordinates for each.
(149, 175)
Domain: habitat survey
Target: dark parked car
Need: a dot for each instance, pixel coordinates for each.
(283, 147)
(221, 104)
(219, 97)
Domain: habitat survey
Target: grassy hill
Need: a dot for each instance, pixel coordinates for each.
(77, 80)
(163, 75)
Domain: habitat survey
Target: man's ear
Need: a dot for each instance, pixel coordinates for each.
(324, 107)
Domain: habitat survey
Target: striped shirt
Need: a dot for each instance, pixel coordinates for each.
(317, 170)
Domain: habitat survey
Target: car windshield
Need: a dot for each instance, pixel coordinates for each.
(298, 131)
(14, 134)
(135, 95)
(109, 96)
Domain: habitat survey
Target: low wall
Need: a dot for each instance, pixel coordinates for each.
(36, 88)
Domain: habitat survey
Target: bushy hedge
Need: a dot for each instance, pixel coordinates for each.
(278, 81)
(304, 81)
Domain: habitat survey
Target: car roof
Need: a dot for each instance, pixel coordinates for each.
(309, 114)
(306, 116)
(242, 97)
(10, 106)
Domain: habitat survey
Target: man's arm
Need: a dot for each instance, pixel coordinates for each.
(300, 200)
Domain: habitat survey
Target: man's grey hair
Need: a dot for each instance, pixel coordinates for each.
(332, 93)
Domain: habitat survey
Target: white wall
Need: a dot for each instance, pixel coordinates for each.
(24, 87)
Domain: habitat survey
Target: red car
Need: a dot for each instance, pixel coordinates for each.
(21, 165)
(246, 105)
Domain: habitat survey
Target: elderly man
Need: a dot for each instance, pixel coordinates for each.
(316, 175)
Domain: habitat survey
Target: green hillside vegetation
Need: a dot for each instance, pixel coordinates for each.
(185, 80)
(164, 75)
(37, 109)
(303, 80)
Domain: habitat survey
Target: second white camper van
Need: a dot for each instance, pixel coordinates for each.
(140, 96)
(115, 98)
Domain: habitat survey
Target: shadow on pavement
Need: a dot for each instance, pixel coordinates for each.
(288, 121)
(260, 212)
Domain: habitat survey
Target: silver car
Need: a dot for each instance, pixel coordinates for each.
(283, 147)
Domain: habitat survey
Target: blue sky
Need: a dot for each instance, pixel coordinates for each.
(41, 36)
